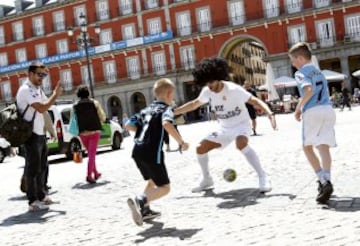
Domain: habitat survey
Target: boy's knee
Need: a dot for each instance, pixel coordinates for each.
(166, 188)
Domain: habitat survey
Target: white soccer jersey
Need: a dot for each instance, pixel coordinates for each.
(228, 104)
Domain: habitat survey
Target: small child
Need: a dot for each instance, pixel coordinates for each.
(151, 126)
(318, 117)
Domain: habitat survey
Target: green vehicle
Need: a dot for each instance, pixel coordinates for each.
(66, 143)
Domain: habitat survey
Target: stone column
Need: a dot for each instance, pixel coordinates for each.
(346, 70)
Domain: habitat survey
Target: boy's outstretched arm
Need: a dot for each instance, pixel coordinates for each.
(131, 124)
(169, 127)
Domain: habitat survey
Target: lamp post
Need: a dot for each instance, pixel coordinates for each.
(85, 41)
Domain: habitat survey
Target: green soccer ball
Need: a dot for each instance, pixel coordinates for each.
(229, 175)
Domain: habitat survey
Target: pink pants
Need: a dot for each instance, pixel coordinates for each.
(90, 142)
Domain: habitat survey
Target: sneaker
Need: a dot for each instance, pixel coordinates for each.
(319, 187)
(37, 206)
(325, 194)
(205, 184)
(47, 201)
(135, 212)
(264, 184)
(148, 214)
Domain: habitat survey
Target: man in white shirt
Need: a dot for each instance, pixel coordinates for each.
(30, 93)
(228, 101)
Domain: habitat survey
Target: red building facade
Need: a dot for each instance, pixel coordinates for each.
(141, 41)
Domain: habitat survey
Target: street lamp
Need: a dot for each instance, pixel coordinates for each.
(85, 41)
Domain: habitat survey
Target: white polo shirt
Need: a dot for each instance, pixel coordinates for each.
(27, 95)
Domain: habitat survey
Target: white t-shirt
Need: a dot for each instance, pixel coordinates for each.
(27, 95)
(228, 104)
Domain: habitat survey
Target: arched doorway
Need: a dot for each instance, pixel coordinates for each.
(115, 108)
(138, 102)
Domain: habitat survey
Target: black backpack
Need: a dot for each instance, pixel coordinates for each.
(13, 127)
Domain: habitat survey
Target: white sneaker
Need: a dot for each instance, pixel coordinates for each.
(205, 184)
(264, 184)
(135, 212)
(37, 206)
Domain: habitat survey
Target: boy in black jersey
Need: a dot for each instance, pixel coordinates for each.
(151, 125)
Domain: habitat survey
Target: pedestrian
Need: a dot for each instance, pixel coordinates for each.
(150, 126)
(125, 119)
(345, 97)
(250, 107)
(228, 101)
(318, 116)
(90, 115)
(36, 151)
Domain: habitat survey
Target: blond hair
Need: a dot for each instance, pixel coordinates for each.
(162, 86)
(300, 49)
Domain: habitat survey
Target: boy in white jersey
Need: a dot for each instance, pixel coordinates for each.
(318, 117)
(228, 100)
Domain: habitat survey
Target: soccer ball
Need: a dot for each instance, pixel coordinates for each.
(229, 175)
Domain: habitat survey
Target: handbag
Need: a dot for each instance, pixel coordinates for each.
(73, 125)
(77, 157)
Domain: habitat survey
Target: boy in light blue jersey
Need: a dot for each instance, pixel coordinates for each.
(318, 116)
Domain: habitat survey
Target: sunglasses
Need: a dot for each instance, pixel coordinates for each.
(41, 75)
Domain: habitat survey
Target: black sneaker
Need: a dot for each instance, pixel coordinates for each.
(319, 187)
(326, 191)
(148, 214)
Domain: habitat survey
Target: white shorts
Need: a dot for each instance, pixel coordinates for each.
(318, 126)
(225, 136)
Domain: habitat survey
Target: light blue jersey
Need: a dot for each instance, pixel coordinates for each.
(310, 75)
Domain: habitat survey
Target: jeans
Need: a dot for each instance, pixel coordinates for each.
(90, 142)
(36, 165)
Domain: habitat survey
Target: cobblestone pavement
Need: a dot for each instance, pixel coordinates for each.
(233, 213)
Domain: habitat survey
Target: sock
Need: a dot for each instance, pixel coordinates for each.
(203, 160)
(253, 160)
(326, 175)
(320, 175)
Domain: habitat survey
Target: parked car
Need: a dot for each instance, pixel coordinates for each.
(66, 143)
(4, 149)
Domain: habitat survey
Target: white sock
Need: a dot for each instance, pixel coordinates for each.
(203, 160)
(253, 160)
(326, 175)
(319, 174)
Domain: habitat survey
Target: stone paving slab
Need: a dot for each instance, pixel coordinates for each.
(230, 214)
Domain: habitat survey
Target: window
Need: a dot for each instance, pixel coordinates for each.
(297, 34)
(62, 46)
(293, 6)
(321, 3)
(128, 32)
(102, 10)
(271, 8)
(46, 85)
(78, 10)
(126, 7)
(59, 21)
(325, 32)
(150, 4)
(21, 55)
(6, 91)
(105, 36)
(204, 19)
(18, 31)
(2, 35)
(353, 27)
(110, 72)
(38, 26)
(3, 59)
(187, 57)
(154, 26)
(183, 23)
(237, 13)
(66, 79)
(85, 75)
(41, 50)
(158, 61)
(133, 67)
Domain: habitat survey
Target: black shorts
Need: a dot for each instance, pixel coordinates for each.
(155, 172)
(251, 111)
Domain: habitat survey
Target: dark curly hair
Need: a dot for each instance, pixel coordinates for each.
(210, 69)
(82, 91)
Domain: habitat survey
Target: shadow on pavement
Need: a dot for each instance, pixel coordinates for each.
(157, 230)
(241, 197)
(32, 217)
(86, 186)
(24, 198)
(343, 204)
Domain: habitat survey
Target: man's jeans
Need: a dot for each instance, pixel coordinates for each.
(36, 167)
